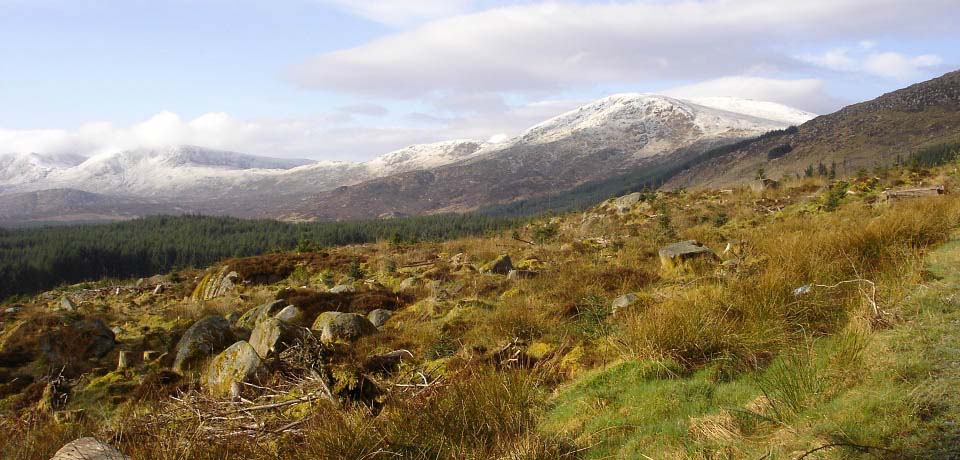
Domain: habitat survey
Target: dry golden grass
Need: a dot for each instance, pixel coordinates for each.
(739, 319)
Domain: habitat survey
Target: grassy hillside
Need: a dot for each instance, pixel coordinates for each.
(862, 136)
(826, 330)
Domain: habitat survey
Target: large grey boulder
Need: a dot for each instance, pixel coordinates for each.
(202, 340)
(235, 366)
(686, 255)
(290, 314)
(379, 317)
(336, 326)
(88, 449)
(259, 313)
(271, 336)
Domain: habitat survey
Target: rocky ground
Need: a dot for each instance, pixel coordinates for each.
(645, 327)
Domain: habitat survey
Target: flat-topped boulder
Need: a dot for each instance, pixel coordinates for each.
(690, 254)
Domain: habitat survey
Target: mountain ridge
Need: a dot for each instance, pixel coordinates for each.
(606, 136)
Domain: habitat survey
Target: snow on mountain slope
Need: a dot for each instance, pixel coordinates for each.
(31, 167)
(759, 109)
(649, 124)
(199, 173)
(163, 172)
(423, 156)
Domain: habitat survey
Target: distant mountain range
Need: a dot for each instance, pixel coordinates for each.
(599, 146)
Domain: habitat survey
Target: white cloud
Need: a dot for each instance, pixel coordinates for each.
(274, 137)
(563, 45)
(401, 12)
(365, 109)
(807, 94)
(886, 64)
(898, 66)
(333, 136)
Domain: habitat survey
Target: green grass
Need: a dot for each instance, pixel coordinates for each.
(862, 393)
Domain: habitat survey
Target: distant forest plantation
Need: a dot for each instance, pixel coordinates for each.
(37, 259)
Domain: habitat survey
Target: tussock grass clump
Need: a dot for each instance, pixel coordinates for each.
(755, 312)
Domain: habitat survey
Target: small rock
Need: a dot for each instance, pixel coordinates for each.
(521, 274)
(205, 338)
(622, 302)
(67, 304)
(13, 310)
(409, 283)
(343, 289)
(379, 317)
(88, 449)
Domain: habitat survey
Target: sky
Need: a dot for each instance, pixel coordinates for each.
(352, 79)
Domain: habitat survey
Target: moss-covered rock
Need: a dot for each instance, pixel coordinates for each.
(500, 266)
(272, 336)
(202, 340)
(255, 315)
(237, 365)
(336, 326)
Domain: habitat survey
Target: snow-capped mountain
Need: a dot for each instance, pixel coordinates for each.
(601, 138)
(191, 171)
(634, 119)
(607, 137)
